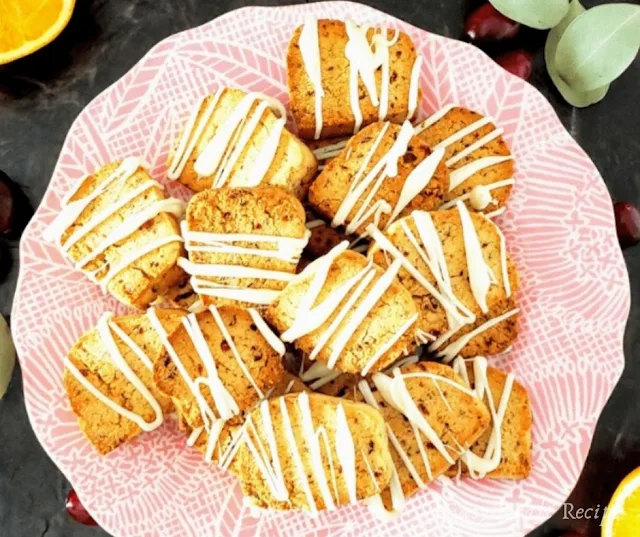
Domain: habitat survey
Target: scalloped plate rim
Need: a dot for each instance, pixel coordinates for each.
(620, 364)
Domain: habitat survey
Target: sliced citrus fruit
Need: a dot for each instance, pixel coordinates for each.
(622, 518)
(28, 25)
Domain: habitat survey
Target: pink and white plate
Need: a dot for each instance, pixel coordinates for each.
(559, 229)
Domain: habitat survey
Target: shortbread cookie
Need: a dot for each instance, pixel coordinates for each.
(108, 378)
(346, 312)
(239, 139)
(481, 166)
(120, 229)
(431, 417)
(218, 363)
(456, 266)
(509, 437)
(384, 172)
(285, 463)
(243, 243)
(342, 76)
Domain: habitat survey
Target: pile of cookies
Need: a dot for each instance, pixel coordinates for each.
(319, 312)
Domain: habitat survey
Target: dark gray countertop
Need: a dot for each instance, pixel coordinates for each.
(41, 95)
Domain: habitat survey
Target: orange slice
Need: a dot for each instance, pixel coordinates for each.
(28, 25)
(622, 518)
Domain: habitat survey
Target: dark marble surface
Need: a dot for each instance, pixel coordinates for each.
(41, 95)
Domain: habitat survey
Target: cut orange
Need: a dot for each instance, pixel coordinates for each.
(28, 25)
(622, 518)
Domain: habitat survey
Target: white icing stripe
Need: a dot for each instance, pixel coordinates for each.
(330, 150)
(314, 224)
(310, 52)
(313, 447)
(70, 211)
(385, 244)
(191, 134)
(260, 297)
(387, 166)
(132, 257)
(380, 40)
(416, 182)
(503, 259)
(453, 349)
(266, 332)
(459, 135)
(227, 337)
(346, 453)
(309, 316)
(474, 146)
(218, 158)
(232, 271)
(267, 457)
(434, 118)
(133, 223)
(495, 213)
(287, 249)
(464, 197)
(106, 213)
(479, 272)
(479, 467)
(414, 86)
(462, 174)
(105, 327)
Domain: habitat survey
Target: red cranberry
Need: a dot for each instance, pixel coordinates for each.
(518, 62)
(627, 223)
(487, 24)
(77, 511)
(15, 210)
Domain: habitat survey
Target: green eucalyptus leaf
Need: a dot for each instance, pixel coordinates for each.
(7, 356)
(576, 98)
(540, 14)
(598, 46)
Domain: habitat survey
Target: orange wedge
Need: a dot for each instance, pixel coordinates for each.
(28, 25)
(622, 518)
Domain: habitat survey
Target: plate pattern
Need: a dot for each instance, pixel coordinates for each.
(559, 228)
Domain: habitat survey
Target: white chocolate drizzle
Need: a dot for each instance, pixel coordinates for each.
(309, 316)
(72, 210)
(264, 450)
(480, 466)
(394, 392)
(461, 174)
(287, 249)
(218, 158)
(225, 405)
(106, 328)
(365, 186)
(310, 52)
(365, 58)
(428, 246)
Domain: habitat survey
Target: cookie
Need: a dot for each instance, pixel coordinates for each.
(119, 228)
(218, 363)
(342, 77)
(431, 418)
(285, 463)
(456, 266)
(480, 162)
(109, 381)
(346, 312)
(244, 244)
(384, 172)
(238, 139)
(509, 436)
